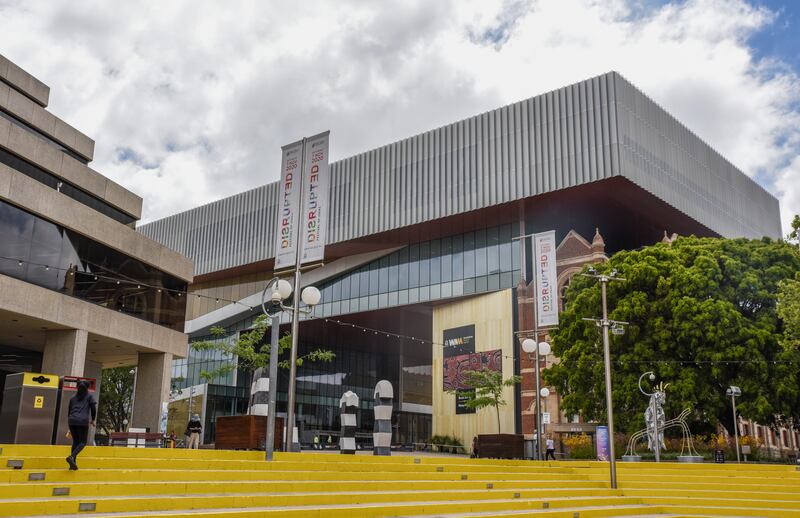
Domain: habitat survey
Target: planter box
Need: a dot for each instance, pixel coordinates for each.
(501, 446)
(245, 432)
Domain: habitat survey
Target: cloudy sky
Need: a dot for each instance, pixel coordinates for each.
(190, 101)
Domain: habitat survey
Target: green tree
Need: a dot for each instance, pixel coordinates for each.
(486, 390)
(703, 316)
(252, 350)
(116, 394)
(794, 235)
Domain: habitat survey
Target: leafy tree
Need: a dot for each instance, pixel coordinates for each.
(794, 235)
(703, 316)
(252, 352)
(116, 394)
(485, 390)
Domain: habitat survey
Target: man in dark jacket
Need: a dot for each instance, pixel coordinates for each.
(82, 413)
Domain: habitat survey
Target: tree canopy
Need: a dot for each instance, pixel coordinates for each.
(251, 349)
(116, 394)
(703, 316)
(486, 390)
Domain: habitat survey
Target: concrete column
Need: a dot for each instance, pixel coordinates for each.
(152, 389)
(65, 352)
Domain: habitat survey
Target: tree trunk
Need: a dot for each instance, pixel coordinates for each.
(497, 408)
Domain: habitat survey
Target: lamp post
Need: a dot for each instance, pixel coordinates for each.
(544, 393)
(734, 391)
(606, 324)
(656, 442)
(280, 291)
(529, 346)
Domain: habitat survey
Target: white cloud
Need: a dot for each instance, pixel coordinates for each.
(191, 101)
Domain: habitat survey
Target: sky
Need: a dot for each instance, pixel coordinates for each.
(190, 101)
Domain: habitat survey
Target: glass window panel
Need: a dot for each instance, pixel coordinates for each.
(447, 260)
(363, 274)
(436, 291)
(393, 272)
(374, 278)
(413, 266)
(481, 284)
(383, 300)
(413, 295)
(515, 254)
(337, 290)
(403, 297)
(447, 290)
(402, 269)
(345, 282)
(458, 288)
(392, 298)
(480, 252)
(506, 280)
(469, 255)
(458, 258)
(383, 273)
(436, 262)
(355, 284)
(494, 282)
(469, 286)
(493, 249)
(424, 263)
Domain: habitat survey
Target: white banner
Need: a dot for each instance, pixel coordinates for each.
(288, 203)
(315, 202)
(544, 268)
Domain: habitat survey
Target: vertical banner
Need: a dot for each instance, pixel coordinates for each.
(457, 342)
(544, 268)
(288, 206)
(315, 198)
(602, 443)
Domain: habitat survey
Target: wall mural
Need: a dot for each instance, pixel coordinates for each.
(459, 357)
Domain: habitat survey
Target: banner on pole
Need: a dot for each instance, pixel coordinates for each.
(288, 206)
(602, 438)
(544, 268)
(316, 181)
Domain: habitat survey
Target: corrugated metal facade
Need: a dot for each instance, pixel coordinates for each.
(585, 132)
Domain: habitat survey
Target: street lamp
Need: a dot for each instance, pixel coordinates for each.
(280, 290)
(734, 391)
(606, 324)
(529, 346)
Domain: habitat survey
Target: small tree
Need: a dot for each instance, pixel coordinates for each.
(251, 350)
(485, 390)
(116, 394)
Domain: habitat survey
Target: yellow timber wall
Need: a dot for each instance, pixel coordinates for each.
(492, 316)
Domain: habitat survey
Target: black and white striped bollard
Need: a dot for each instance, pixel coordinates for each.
(348, 406)
(382, 431)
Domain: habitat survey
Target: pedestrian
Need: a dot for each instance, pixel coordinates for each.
(316, 441)
(475, 447)
(82, 414)
(193, 430)
(551, 449)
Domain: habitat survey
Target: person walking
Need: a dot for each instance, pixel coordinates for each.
(551, 449)
(82, 414)
(193, 430)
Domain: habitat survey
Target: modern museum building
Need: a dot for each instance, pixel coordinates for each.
(423, 256)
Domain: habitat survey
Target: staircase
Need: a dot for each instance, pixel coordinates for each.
(127, 482)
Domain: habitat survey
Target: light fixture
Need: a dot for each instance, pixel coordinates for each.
(19, 263)
(47, 268)
(529, 346)
(311, 296)
(652, 377)
(284, 288)
(544, 348)
(545, 392)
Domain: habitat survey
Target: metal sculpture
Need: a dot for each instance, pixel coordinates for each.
(382, 431)
(348, 406)
(655, 425)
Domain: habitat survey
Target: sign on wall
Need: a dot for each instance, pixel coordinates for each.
(459, 341)
(544, 268)
(288, 206)
(457, 367)
(315, 192)
(304, 177)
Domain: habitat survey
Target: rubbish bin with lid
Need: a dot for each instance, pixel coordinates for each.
(29, 408)
(69, 387)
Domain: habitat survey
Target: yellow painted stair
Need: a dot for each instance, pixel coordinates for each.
(128, 482)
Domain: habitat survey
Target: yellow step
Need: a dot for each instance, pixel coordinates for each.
(412, 502)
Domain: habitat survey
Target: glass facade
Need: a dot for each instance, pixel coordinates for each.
(35, 250)
(474, 262)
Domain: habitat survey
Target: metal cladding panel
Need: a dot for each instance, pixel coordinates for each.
(662, 156)
(589, 131)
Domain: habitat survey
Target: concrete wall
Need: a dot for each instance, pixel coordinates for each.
(24, 82)
(492, 315)
(33, 301)
(35, 197)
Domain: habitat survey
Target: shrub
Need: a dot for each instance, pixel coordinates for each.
(580, 446)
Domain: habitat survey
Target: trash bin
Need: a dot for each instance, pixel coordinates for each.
(530, 449)
(29, 408)
(69, 387)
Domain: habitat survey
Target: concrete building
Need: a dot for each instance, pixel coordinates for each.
(422, 250)
(80, 288)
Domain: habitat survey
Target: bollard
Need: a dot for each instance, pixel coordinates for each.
(348, 406)
(382, 431)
